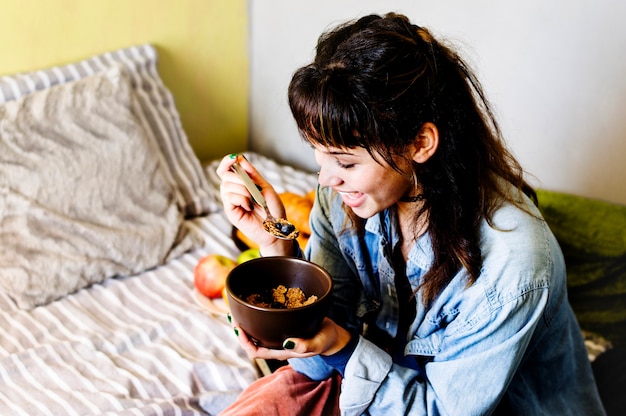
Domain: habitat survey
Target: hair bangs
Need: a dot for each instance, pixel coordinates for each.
(327, 111)
(336, 122)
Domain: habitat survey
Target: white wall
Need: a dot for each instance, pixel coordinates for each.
(555, 72)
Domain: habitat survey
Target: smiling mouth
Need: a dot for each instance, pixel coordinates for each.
(350, 195)
(351, 198)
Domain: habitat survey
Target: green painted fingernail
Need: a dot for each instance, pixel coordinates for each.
(230, 319)
(233, 156)
(236, 331)
(289, 345)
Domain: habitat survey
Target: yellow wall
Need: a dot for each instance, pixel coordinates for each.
(202, 46)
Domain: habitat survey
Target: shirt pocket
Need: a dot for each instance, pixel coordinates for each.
(429, 333)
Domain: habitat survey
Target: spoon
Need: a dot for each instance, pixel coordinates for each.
(278, 227)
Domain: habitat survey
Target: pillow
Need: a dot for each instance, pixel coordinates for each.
(84, 191)
(592, 235)
(156, 105)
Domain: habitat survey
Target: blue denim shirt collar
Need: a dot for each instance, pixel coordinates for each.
(384, 234)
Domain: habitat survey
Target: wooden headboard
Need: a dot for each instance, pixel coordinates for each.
(202, 46)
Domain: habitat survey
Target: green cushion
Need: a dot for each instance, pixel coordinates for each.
(592, 235)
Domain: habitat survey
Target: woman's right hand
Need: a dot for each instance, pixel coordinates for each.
(246, 215)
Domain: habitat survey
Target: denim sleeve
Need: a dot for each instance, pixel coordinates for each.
(470, 382)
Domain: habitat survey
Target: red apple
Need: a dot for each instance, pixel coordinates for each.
(209, 275)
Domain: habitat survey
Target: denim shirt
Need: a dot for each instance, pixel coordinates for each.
(508, 343)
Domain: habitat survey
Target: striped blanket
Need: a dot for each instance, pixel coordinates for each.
(132, 345)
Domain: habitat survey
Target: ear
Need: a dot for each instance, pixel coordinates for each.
(426, 142)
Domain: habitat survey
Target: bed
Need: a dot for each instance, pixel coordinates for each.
(104, 212)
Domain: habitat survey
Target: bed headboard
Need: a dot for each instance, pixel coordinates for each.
(201, 46)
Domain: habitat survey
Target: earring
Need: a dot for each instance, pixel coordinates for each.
(413, 198)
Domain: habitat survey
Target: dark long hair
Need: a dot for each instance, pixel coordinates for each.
(373, 84)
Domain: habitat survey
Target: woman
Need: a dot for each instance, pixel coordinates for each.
(450, 293)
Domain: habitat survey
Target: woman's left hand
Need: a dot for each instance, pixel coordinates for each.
(330, 339)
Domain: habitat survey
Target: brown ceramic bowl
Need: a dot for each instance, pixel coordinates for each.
(267, 326)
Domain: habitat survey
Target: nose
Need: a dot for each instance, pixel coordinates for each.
(325, 177)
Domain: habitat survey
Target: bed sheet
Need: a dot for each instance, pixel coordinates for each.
(139, 345)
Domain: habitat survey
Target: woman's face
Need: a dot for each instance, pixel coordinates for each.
(365, 185)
